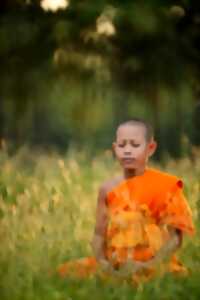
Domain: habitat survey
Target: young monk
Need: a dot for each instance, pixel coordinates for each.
(141, 215)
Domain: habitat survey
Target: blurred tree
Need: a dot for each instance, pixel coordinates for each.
(121, 51)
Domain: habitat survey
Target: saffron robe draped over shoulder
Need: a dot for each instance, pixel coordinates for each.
(140, 210)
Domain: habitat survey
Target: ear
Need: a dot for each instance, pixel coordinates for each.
(152, 146)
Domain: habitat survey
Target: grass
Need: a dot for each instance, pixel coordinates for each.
(47, 215)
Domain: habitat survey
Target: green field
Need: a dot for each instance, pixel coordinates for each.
(47, 215)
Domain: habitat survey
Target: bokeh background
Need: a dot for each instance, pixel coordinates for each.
(72, 70)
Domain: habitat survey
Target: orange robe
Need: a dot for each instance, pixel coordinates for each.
(139, 209)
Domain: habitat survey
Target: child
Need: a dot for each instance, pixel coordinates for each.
(141, 215)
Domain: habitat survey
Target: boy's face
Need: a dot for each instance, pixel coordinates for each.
(132, 148)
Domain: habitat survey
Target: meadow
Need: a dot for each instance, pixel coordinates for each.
(47, 215)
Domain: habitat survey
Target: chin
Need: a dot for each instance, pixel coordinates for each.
(130, 168)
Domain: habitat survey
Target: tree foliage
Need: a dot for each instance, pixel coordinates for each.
(72, 75)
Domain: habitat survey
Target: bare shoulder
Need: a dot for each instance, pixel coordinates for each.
(108, 185)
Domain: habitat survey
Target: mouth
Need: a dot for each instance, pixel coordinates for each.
(128, 160)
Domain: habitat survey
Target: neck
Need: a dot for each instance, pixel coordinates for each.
(128, 173)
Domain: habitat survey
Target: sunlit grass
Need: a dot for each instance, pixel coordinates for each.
(47, 215)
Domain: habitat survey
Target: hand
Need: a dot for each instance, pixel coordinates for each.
(130, 267)
(105, 266)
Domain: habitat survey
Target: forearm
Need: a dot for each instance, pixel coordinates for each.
(168, 248)
(98, 246)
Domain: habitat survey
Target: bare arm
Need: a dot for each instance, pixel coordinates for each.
(98, 242)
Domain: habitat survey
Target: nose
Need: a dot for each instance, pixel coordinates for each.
(127, 150)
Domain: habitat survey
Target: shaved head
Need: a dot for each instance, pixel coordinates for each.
(139, 122)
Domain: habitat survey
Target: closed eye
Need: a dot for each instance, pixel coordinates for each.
(121, 145)
(135, 145)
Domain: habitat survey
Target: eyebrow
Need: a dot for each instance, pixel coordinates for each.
(124, 140)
